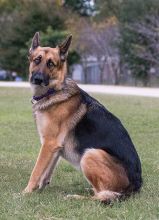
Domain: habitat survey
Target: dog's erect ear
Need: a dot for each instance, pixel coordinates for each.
(35, 42)
(63, 48)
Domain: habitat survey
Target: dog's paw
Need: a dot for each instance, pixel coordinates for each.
(27, 190)
(43, 183)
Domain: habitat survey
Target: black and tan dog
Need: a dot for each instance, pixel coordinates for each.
(73, 125)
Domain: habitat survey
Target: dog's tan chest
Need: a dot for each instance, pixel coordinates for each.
(49, 129)
(56, 125)
(66, 140)
(42, 124)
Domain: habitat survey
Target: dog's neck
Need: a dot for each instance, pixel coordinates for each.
(52, 97)
(50, 91)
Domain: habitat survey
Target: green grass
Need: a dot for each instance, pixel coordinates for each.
(19, 146)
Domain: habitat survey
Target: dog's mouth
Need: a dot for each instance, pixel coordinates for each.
(40, 79)
(40, 85)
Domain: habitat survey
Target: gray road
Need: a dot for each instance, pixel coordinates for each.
(116, 90)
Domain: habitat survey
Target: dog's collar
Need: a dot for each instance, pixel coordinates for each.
(35, 99)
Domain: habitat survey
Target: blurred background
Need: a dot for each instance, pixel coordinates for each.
(115, 42)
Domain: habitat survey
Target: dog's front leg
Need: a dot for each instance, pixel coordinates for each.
(49, 150)
(46, 176)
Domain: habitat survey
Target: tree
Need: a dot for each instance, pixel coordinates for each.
(18, 25)
(108, 8)
(98, 40)
(140, 47)
(136, 10)
(82, 7)
(148, 31)
(138, 27)
(126, 10)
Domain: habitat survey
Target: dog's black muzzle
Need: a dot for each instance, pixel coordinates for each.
(39, 78)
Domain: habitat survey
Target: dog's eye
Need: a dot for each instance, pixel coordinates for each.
(50, 64)
(37, 60)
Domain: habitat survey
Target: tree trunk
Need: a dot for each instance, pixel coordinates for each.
(146, 81)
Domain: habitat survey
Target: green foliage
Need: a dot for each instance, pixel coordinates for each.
(130, 47)
(73, 57)
(138, 32)
(7, 5)
(20, 19)
(19, 25)
(52, 37)
(133, 44)
(107, 8)
(82, 7)
(134, 10)
(126, 10)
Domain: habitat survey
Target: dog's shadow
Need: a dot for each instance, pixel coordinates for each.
(82, 189)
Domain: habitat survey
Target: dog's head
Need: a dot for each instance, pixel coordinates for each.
(47, 65)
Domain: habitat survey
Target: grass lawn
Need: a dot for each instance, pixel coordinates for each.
(19, 146)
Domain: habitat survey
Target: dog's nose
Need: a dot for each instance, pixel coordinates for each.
(37, 78)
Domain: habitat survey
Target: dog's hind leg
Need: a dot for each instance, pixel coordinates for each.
(105, 174)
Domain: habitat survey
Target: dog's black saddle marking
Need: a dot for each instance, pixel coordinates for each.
(101, 129)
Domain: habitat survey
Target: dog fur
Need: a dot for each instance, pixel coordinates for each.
(73, 125)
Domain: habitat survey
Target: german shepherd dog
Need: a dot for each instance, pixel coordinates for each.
(73, 125)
